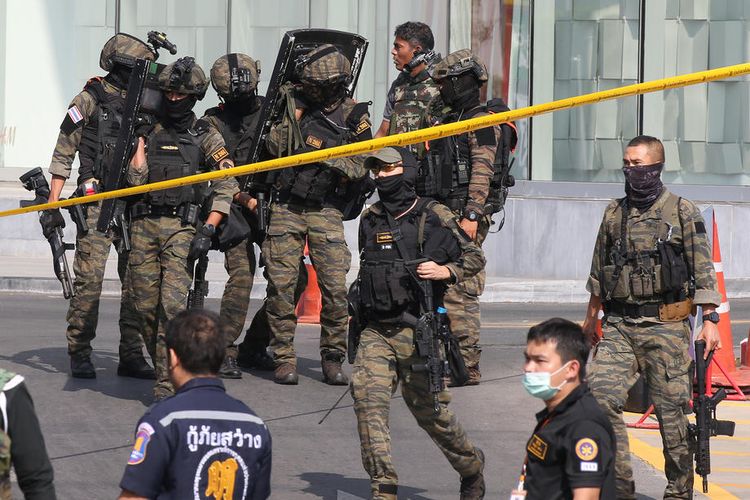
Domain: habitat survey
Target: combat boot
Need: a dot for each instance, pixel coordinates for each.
(136, 367)
(331, 364)
(229, 368)
(286, 374)
(259, 360)
(472, 487)
(81, 366)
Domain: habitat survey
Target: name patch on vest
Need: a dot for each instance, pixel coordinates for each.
(363, 125)
(169, 148)
(537, 447)
(314, 142)
(385, 237)
(220, 154)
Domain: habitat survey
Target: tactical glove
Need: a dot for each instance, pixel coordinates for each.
(50, 221)
(201, 243)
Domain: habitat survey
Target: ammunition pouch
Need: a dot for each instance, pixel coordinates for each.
(188, 213)
(308, 185)
(386, 287)
(631, 310)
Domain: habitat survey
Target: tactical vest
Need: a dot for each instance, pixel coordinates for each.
(445, 172)
(650, 266)
(315, 184)
(172, 155)
(99, 135)
(386, 287)
(238, 134)
(410, 100)
(5, 459)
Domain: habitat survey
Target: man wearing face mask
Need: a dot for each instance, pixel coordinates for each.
(427, 232)
(413, 89)
(310, 205)
(571, 453)
(464, 173)
(651, 265)
(90, 128)
(173, 227)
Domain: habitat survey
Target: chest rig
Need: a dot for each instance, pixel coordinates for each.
(172, 155)
(99, 135)
(238, 132)
(411, 97)
(643, 262)
(387, 287)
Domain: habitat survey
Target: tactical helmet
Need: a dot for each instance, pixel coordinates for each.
(124, 49)
(458, 63)
(324, 65)
(184, 76)
(235, 74)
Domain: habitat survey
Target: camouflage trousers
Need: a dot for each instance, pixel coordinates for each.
(462, 302)
(239, 262)
(92, 251)
(283, 249)
(660, 353)
(385, 356)
(258, 335)
(161, 280)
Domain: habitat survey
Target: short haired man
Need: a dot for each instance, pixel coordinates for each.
(199, 442)
(571, 453)
(651, 263)
(413, 89)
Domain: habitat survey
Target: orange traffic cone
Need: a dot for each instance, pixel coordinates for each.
(724, 357)
(310, 304)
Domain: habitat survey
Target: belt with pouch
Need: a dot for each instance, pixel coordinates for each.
(187, 212)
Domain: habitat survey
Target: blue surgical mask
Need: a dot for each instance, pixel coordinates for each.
(538, 384)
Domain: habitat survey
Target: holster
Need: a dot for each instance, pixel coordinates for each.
(677, 311)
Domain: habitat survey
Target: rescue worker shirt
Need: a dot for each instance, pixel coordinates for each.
(200, 443)
(573, 446)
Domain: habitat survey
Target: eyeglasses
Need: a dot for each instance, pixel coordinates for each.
(385, 167)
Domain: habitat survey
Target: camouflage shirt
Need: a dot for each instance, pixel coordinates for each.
(280, 139)
(81, 109)
(472, 258)
(643, 230)
(407, 100)
(215, 155)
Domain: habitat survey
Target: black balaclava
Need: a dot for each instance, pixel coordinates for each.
(179, 114)
(461, 92)
(643, 185)
(397, 191)
(241, 105)
(119, 76)
(324, 97)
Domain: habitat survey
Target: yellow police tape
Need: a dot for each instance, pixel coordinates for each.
(408, 138)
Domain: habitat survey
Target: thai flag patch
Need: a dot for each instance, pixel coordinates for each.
(75, 114)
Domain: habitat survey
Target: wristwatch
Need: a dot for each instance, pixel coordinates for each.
(712, 317)
(471, 215)
(209, 228)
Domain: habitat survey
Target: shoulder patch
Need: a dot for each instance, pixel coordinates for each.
(142, 438)
(700, 227)
(537, 447)
(486, 136)
(314, 142)
(220, 154)
(72, 121)
(586, 449)
(363, 125)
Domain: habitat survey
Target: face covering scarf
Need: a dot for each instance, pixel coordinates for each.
(643, 185)
(397, 191)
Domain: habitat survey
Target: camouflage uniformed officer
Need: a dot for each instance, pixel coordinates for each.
(21, 442)
(235, 79)
(310, 206)
(651, 264)
(90, 128)
(460, 172)
(386, 354)
(165, 240)
(413, 89)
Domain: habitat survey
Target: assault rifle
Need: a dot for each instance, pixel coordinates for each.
(294, 46)
(434, 342)
(200, 284)
(34, 180)
(143, 98)
(704, 407)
